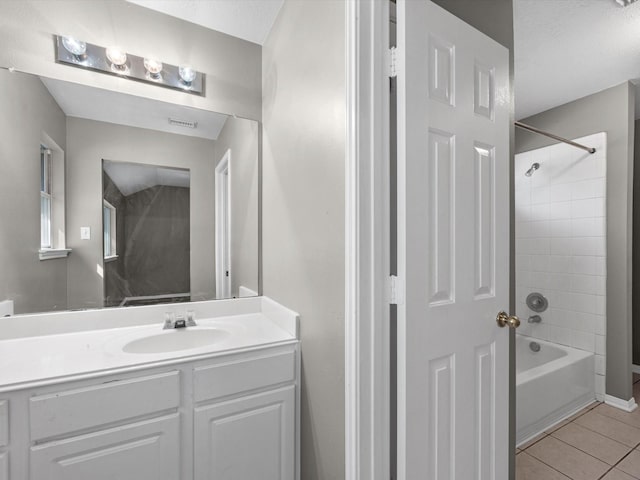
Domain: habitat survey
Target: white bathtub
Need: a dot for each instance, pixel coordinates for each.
(551, 385)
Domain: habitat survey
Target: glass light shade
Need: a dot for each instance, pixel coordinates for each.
(117, 56)
(74, 46)
(187, 73)
(154, 67)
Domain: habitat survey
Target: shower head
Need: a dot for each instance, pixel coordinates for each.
(533, 168)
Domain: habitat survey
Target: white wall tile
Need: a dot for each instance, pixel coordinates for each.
(560, 211)
(601, 345)
(559, 264)
(600, 365)
(600, 387)
(583, 340)
(558, 228)
(600, 325)
(583, 265)
(561, 245)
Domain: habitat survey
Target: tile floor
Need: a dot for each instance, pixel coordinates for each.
(599, 442)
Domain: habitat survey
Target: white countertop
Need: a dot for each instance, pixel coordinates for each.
(38, 360)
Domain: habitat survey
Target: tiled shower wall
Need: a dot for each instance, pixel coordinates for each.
(561, 245)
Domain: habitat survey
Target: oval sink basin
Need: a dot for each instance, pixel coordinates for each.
(175, 340)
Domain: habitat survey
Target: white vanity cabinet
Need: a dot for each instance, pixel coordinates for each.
(240, 435)
(4, 439)
(224, 417)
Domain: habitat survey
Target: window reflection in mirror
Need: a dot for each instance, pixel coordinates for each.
(81, 126)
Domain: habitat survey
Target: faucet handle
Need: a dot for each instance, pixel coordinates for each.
(534, 319)
(169, 319)
(191, 318)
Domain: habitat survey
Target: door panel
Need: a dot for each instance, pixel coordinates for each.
(246, 438)
(453, 247)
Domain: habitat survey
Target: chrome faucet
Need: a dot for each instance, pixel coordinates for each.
(534, 319)
(171, 320)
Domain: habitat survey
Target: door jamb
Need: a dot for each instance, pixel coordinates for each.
(223, 283)
(367, 243)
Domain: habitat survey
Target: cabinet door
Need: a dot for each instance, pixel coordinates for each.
(249, 438)
(148, 450)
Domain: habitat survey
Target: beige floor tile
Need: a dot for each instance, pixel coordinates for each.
(632, 418)
(609, 427)
(631, 464)
(528, 468)
(636, 392)
(603, 448)
(568, 460)
(615, 474)
(535, 439)
(550, 430)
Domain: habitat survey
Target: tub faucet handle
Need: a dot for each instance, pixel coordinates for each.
(534, 319)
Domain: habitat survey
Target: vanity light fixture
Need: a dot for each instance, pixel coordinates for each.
(153, 68)
(116, 61)
(74, 46)
(187, 74)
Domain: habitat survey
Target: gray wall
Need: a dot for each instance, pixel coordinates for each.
(28, 110)
(492, 17)
(611, 111)
(241, 137)
(636, 246)
(232, 66)
(303, 210)
(88, 143)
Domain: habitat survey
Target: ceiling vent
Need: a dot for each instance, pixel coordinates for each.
(183, 123)
(625, 3)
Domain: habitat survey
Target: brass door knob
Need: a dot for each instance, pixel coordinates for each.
(505, 319)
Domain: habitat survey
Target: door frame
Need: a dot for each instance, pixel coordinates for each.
(222, 239)
(367, 247)
(367, 242)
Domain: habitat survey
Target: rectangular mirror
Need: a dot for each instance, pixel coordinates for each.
(140, 201)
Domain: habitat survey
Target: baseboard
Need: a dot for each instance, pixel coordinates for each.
(635, 368)
(626, 405)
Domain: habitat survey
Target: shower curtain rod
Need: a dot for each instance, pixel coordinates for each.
(524, 126)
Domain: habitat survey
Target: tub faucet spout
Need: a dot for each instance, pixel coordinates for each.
(534, 319)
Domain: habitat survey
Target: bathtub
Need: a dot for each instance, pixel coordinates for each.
(551, 385)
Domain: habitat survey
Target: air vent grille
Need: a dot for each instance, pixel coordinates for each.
(183, 123)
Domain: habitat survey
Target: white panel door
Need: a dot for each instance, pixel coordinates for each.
(248, 438)
(453, 224)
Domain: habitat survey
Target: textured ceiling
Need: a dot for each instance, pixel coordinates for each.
(567, 49)
(247, 19)
(131, 178)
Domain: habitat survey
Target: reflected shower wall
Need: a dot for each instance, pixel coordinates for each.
(147, 260)
(561, 246)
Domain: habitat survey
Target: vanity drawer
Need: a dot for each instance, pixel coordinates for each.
(4, 423)
(219, 380)
(95, 406)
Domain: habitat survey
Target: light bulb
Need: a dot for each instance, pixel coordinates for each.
(187, 74)
(74, 46)
(116, 56)
(154, 67)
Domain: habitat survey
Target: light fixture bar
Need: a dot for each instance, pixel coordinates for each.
(95, 58)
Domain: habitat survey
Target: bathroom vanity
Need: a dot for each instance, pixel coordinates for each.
(140, 402)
